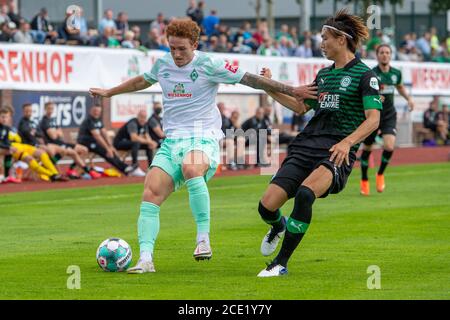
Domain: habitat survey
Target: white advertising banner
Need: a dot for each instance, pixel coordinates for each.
(68, 68)
(126, 106)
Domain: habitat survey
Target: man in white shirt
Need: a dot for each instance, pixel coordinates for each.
(192, 123)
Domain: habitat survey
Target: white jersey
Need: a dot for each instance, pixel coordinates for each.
(189, 94)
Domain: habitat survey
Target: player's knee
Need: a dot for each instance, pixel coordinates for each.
(265, 213)
(303, 202)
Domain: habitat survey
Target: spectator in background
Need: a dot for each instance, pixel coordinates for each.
(159, 24)
(434, 39)
(284, 32)
(285, 47)
(257, 123)
(6, 31)
(195, 12)
(128, 41)
(122, 24)
(154, 124)
(434, 120)
(294, 35)
(134, 136)
(41, 28)
(137, 35)
(210, 23)
(69, 31)
(12, 12)
(107, 22)
(424, 46)
(222, 44)
(373, 44)
(23, 35)
(304, 50)
(154, 39)
(107, 39)
(241, 47)
(4, 17)
(267, 48)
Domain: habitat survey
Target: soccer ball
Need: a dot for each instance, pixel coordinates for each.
(114, 255)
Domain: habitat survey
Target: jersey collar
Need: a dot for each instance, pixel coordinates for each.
(348, 65)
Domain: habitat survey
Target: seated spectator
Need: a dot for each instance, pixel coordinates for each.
(107, 22)
(222, 44)
(267, 48)
(58, 148)
(7, 30)
(241, 47)
(93, 135)
(304, 50)
(4, 17)
(285, 47)
(12, 145)
(252, 127)
(134, 136)
(434, 120)
(373, 44)
(232, 139)
(154, 39)
(137, 35)
(128, 41)
(42, 29)
(107, 39)
(23, 35)
(284, 32)
(69, 31)
(154, 124)
(424, 46)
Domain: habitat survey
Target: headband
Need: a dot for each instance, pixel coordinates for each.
(340, 31)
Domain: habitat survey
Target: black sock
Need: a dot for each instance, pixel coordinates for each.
(297, 224)
(8, 164)
(56, 158)
(86, 169)
(385, 158)
(73, 165)
(365, 164)
(274, 218)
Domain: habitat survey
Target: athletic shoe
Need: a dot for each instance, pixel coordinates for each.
(380, 183)
(271, 239)
(59, 178)
(365, 187)
(72, 174)
(131, 168)
(44, 177)
(94, 174)
(86, 176)
(142, 267)
(203, 251)
(137, 173)
(273, 270)
(10, 179)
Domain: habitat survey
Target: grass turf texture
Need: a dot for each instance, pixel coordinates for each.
(404, 231)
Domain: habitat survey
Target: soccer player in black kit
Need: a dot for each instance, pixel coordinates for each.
(321, 158)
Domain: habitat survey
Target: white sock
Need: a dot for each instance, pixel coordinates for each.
(146, 256)
(203, 236)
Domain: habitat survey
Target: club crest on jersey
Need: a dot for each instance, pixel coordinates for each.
(394, 78)
(345, 82)
(194, 75)
(179, 92)
(328, 101)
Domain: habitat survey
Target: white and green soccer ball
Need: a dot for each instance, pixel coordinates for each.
(114, 255)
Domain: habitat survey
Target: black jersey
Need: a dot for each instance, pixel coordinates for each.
(49, 123)
(89, 124)
(132, 126)
(29, 131)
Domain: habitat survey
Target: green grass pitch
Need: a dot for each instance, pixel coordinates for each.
(404, 231)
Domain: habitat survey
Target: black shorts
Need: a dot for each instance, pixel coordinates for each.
(302, 161)
(62, 144)
(388, 125)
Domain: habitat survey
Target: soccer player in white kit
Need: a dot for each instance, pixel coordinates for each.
(190, 153)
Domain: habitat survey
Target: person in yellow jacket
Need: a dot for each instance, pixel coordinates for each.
(11, 143)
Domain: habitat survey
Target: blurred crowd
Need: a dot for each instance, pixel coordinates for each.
(115, 31)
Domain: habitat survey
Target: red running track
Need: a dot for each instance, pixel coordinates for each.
(401, 156)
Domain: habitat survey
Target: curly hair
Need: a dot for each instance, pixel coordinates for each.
(350, 24)
(184, 28)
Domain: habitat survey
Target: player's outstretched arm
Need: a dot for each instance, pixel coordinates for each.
(131, 85)
(258, 82)
(296, 105)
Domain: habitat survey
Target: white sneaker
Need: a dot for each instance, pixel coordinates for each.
(273, 271)
(203, 251)
(137, 173)
(142, 267)
(270, 241)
